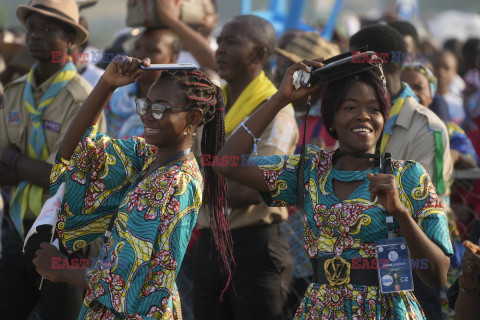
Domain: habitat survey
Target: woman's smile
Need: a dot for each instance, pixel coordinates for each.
(362, 131)
(358, 121)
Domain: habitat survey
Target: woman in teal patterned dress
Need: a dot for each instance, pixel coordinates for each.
(346, 198)
(145, 193)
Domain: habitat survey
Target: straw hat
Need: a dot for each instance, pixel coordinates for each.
(65, 11)
(308, 45)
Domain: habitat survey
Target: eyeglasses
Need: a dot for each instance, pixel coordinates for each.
(158, 109)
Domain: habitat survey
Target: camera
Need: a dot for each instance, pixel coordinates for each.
(342, 66)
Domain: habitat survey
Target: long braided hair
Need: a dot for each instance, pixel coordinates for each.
(203, 93)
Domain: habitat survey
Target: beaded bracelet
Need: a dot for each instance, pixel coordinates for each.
(255, 140)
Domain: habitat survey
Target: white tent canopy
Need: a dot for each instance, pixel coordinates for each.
(454, 24)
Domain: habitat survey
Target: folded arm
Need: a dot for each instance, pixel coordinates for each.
(16, 167)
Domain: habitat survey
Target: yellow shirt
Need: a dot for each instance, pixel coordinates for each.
(15, 122)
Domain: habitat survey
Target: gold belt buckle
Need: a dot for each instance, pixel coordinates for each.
(337, 271)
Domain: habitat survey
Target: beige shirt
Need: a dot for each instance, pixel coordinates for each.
(279, 138)
(413, 138)
(15, 122)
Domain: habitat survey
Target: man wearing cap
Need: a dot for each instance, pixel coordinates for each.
(34, 116)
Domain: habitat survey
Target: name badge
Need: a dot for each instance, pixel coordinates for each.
(52, 126)
(394, 269)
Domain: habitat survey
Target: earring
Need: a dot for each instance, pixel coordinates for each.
(194, 134)
(184, 133)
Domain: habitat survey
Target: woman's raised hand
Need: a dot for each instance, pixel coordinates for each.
(124, 70)
(384, 187)
(286, 92)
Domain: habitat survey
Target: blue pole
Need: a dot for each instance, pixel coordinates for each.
(329, 28)
(295, 14)
(278, 7)
(246, 7)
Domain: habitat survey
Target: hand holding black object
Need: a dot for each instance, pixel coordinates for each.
(286, 92)
(44, 262)
(384, 186)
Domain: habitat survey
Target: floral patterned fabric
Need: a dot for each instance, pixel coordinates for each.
(156, 216)
(349, 228)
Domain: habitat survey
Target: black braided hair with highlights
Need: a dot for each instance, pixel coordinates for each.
(203, 93)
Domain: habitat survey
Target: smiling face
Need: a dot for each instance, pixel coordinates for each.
(358, 121)
(419, 84)
(44, 35)
(169, 129)
(236, 51)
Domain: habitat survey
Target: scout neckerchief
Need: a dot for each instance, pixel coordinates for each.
(257, 91)
(388, 131)
(28, 194)
(394, 112)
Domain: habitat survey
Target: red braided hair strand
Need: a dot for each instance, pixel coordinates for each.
(202, 93)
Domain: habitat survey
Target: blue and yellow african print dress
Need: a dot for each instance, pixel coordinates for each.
(155, 219)
(349, 228)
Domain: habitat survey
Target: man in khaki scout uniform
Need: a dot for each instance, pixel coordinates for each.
(34, 116)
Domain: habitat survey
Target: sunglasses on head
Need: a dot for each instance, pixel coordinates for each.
(158, 109)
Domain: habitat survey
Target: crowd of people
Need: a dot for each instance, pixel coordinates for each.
(229, 191)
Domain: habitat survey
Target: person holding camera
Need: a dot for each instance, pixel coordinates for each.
(346, 197)
(412, 132)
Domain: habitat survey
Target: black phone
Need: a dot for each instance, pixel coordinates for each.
(172, 66)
